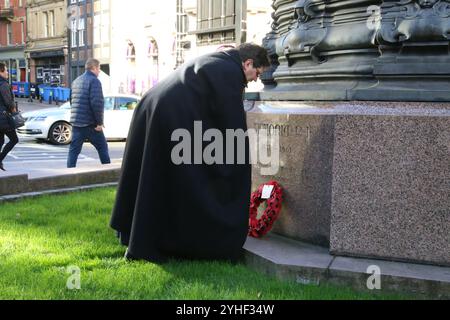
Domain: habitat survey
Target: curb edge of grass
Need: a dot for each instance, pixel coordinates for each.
(31, 195)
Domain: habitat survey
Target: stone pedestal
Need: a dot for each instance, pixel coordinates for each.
(362, 178)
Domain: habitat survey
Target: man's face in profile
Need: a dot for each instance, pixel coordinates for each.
(5, 74)
(251, 73)
(96, 71)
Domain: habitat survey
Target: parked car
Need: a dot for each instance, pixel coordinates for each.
(54, 124)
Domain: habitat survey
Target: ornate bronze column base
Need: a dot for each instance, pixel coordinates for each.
(359, 50)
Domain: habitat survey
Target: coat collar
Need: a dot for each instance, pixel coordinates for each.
(234, 55)
(90, 73)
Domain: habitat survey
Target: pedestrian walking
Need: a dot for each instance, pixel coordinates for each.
(87, 114)
(7, 106)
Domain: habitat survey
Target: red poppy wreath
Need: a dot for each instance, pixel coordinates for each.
(260, 227)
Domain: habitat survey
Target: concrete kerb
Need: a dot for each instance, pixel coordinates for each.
(296, 262)
(30, 195)
(74, 180)
(21, 184)
(13, 184)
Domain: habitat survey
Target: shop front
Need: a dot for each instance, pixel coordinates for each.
(16, 63)
(48, 67)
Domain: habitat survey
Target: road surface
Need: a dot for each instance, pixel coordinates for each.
(30, 152)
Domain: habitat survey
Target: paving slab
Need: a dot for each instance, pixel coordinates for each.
(284, 251)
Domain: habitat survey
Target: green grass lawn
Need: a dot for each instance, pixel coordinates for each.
(41, 238)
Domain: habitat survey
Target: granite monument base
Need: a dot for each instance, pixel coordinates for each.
(365, 179)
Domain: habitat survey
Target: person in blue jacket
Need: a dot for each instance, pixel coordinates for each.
(87, 114)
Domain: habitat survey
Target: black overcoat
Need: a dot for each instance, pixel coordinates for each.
(188, 211)
(7, 105)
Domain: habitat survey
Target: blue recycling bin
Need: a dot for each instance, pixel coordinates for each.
(24, 89)
(64, 94)
(47, 93)
(41, 89)
(15, 88)
(55, 93)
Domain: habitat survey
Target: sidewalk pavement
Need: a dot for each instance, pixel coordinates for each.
(23, 178)
(45, 170)
(20, 179)
(26, 106)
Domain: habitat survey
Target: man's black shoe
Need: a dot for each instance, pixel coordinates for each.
(1, 167)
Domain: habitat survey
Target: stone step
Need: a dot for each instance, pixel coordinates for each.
(16, 183)
(313, 265)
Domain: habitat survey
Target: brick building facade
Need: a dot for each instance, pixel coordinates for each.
(13, 37)
(46, 45)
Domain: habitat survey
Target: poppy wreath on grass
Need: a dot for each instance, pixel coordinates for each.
(260, 227)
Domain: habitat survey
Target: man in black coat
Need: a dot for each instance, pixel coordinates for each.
(7, 105)
(193, 210)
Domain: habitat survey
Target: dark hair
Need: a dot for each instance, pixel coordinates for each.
(2, 67)
(257, 53)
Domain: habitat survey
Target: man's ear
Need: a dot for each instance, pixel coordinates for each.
(247, 63)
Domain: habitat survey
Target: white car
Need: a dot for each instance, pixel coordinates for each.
(54, 124)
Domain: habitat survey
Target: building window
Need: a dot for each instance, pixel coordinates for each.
(153, 68)
(39, 73)
(105, 28)
(35, 30)
(131, 77)
(52, 23)
(105, 4)
(7, 4)
(131, 51)
(182, 27)
(22, 31)
(218, 22)
(9, 33)
(81, 28)
(214, 14)
(73, 37)
(101, 29)
(97, 25)
(46, 26)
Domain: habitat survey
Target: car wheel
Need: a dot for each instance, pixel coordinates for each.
(60, 133)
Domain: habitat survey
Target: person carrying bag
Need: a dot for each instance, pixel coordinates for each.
(15, 119)
(8, 115)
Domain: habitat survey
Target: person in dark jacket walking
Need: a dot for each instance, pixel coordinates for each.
(165, 209)
(7, 105)
(87, 113)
